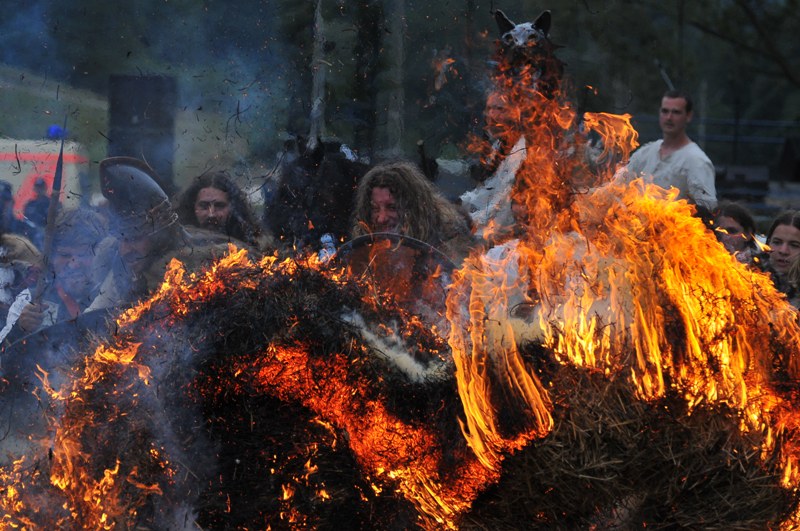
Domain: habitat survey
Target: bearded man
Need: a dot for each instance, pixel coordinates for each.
(215, 202)
(148, 234)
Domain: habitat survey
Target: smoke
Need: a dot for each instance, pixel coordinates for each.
(231, 70)
(396, 353)
(26, 39)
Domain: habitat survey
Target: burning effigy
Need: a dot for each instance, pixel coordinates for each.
(604, 364)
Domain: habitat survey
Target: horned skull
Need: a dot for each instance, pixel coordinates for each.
(525, 34)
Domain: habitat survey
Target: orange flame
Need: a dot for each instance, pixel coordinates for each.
(443, 67)
(490, 363)
(625, 281)
(372, 433)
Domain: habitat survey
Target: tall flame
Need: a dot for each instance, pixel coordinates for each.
(625, 281)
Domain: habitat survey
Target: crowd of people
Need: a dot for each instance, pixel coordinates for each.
(100, 259)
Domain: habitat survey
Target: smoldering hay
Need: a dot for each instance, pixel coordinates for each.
(197, 409)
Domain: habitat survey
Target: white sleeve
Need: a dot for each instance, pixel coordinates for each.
(700, 178)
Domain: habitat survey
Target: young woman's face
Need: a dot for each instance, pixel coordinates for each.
(784, 247)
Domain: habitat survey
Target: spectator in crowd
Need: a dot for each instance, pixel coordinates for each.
(148, 234)
(36, 208)
(215, 202)
(675, 161)
(783, 239)
(397, 198)
(793, 281)
(77, 240)
(20, 269)
(9, 223)
(735, 227)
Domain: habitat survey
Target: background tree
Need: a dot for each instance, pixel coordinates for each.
(395, 78)
(368, 21)
(319, 68)
(245, 70)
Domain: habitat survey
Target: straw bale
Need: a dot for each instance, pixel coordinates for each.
(247, 458)
(616, 462)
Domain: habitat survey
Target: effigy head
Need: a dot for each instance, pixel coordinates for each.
(525, 52)
(525, 34)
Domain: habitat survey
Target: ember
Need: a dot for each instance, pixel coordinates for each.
(614, 367)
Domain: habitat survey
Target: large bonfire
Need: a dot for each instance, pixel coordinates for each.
(649, 380)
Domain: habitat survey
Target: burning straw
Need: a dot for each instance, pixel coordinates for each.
(244, 395)
(613, 461)
(243, 398)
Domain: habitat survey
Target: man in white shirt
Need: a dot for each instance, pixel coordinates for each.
(675, 160)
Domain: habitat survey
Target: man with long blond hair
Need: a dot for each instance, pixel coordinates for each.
(396, 197)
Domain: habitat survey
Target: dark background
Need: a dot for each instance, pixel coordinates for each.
(242, 74)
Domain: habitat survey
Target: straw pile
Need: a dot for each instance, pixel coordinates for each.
(614, 462)
(245, 458)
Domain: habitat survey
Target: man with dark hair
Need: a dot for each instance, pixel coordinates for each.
(676, 161)
(148, 233)
(215, 202)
